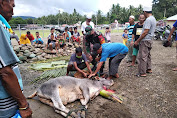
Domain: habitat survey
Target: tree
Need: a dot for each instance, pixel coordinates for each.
(17, 20)
(164, 8)
(29, 21)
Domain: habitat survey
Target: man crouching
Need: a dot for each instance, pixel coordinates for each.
(116, 52)
(78, 62)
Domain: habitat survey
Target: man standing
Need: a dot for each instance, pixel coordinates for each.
(88, 22)
(130, 31)
(12, 100)
(92, 37)
(115, 51)
(85, 24)
(145, 43)
(135, 35)
(169, 39)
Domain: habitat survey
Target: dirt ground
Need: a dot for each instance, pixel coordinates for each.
(154, 96)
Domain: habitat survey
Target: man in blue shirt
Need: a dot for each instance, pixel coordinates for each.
(115, 51)
(11, 97)
(169, 39)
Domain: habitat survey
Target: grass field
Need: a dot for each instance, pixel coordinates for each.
(45, 33)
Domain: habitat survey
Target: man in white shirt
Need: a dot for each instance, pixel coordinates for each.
(88, 22)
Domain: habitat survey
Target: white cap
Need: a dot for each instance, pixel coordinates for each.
(89, 17)
(133, 17)
(147, 8)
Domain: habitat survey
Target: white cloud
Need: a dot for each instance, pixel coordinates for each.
(40, 8)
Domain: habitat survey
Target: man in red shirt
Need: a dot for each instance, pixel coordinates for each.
(30, 37)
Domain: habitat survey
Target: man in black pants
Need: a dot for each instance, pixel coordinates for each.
(92, 37)
(115, 51)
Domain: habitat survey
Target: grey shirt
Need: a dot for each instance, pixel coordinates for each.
(150, 24)
(77, 60)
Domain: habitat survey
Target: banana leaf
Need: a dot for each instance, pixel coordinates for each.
(41, 66)
(62, 62)
(49, 66)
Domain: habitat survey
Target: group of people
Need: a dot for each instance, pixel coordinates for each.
(138, 38)
(27, 39)
(96, 49)
(137, 41)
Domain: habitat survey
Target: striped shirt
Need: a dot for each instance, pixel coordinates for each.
(130, 31)
(8, 106)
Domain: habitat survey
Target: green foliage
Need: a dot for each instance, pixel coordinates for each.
(116, 13)
(17, 20)
(164, 8)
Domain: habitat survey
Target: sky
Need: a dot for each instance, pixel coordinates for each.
(38, 8)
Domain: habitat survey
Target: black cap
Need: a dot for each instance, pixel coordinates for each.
(78, 50)
(96, 46)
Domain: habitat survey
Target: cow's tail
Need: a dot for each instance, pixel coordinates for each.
(32, 95)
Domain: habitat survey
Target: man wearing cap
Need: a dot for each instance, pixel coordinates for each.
(115, 51)
(145, 43)
(88, 22)
(92, 37)
(85, 24)
(130, 31)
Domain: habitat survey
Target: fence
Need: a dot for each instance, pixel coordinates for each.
(44, 30)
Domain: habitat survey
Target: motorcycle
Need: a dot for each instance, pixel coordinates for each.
(166, 34)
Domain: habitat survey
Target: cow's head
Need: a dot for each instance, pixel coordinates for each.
(105, 82)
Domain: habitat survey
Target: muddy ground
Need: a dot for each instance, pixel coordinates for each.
(154, 96)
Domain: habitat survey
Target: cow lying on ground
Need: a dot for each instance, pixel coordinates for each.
(62, 90)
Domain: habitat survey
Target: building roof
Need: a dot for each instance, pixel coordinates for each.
(172, 18)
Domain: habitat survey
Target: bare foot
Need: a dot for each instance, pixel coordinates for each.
(131, 65)
(109, 78)
(117, 75)
(143, 75)
(149, 71)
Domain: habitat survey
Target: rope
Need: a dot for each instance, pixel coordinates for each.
(82, 108)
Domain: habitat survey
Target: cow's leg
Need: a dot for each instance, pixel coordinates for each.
(57, 102)
(85, 92)
(49, 102)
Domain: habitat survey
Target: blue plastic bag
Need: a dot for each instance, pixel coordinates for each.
(17, 115)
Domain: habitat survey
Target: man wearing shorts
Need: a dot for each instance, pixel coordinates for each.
(76, 35)
(78, 62)
(61, 41)
(52, 42)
